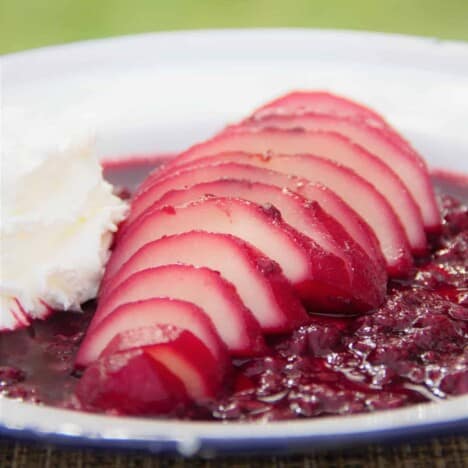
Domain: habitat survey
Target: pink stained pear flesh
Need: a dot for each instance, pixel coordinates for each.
(200, 286)
(258, 280)
(132, 383)
(409, 167)
(315, 274)
(308, 219)
(211, 168)
(330, 146)
(303, 102)
(203, 365)
(152, 363)
(353, 189)
(149, 313)
(299, 102)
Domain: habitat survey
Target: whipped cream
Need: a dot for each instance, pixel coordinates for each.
(57, 217)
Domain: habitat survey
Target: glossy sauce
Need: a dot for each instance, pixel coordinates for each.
(412, 349)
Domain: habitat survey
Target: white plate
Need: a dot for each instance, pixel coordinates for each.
(162, 92)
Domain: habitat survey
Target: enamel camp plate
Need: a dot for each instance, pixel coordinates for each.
(160, 93)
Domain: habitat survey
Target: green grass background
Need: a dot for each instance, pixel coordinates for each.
(26, 24)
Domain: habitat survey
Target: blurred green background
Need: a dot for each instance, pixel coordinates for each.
(33, 23)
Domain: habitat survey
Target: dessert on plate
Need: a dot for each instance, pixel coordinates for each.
(297, 264)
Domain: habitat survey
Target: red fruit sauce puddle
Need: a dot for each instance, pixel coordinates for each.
(412, 349)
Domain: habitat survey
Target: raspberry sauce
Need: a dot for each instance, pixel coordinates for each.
(414, 348)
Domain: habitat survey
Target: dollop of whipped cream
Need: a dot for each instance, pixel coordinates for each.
(57, 216)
